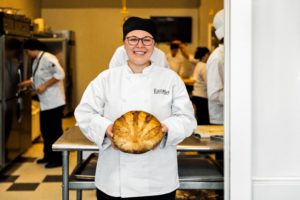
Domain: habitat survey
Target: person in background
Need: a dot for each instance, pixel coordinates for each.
(47, 80)
(175, 58)
(180, 60)
(215, 74)
(199, 93)
(120, 58)
(137, 85)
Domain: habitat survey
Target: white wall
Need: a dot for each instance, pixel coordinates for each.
(276, 100)
(265, 153)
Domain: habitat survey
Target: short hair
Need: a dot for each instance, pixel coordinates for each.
(34, 44)
(200, 52)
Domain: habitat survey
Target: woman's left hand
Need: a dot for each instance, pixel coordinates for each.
(164, 128)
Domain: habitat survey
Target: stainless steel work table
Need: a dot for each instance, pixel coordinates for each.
(193, 170)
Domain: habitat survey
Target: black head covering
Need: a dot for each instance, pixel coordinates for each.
(34, 44)
(136, 23)
(200, 52)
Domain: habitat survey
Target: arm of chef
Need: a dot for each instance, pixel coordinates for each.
(58, 72)
(215, 82)
(182, 122)
(89, 113)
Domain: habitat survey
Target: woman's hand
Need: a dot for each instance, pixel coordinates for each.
(110, 134)
(164, 128)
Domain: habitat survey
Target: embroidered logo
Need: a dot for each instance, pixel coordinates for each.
(161, 91)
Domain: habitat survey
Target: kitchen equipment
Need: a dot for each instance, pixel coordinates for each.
(15, 103)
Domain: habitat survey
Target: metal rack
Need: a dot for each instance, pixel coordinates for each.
(195, 171)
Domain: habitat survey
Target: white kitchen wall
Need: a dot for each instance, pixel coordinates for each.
(263, 108)
(276, 99)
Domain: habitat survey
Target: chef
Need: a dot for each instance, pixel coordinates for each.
(215, 74)
(47, 79)
(137, 85)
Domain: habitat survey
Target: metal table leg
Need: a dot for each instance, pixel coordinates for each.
(65, 172)
(79, 162)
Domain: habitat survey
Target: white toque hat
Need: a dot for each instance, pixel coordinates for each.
(218, 24)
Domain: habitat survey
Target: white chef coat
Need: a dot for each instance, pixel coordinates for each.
(116, 91)
(176, 63)
(120, 58)
(199, 76)
(49, 67)
(215, 85)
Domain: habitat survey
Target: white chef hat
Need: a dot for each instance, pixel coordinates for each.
(219, 24)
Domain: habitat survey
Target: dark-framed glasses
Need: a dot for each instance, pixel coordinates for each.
(133, 40)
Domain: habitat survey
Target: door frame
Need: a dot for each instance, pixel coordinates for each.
(238, 100)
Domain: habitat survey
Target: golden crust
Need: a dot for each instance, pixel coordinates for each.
(136, 132)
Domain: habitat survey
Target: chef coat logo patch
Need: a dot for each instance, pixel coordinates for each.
(161, 91)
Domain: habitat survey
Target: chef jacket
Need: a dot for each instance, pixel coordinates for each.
(156, 90)
(215, 85)
(49, 67)
(200, 85)
(176, 63)
(120, 58)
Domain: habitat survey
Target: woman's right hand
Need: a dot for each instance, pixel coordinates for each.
(110, 134)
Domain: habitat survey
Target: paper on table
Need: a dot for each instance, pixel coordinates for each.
(205, 131)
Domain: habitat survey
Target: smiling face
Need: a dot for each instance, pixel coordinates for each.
(139, 54)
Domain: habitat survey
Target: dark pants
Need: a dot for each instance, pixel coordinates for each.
(202, 114)
(51, 128)
(170, 196)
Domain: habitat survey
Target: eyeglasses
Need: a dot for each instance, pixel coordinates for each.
(133, 40)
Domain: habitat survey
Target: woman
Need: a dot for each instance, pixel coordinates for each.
(139, 85)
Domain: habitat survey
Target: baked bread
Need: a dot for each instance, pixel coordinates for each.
(136, 132)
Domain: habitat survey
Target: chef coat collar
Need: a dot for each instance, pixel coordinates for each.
(145, 71)
(39, 55)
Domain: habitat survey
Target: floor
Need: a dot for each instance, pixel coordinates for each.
(26, 179)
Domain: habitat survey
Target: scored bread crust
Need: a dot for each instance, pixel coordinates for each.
(136, 132)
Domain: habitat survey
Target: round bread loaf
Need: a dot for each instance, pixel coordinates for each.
(136, 132)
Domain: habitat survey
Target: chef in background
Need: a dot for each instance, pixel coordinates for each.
(175, 58)
(137, 85)
(199, 93)
(215, 74)
(47, 80)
